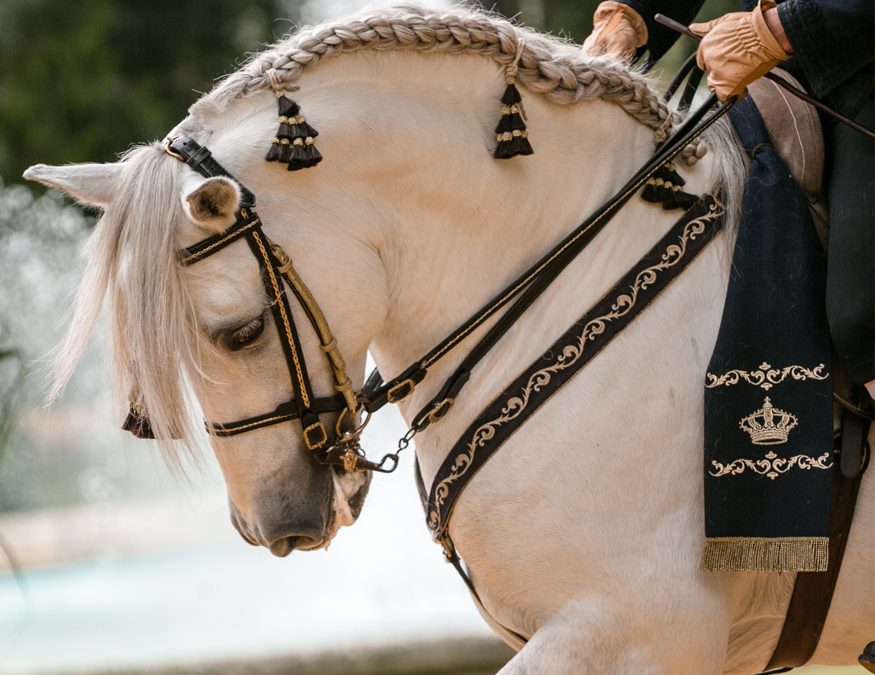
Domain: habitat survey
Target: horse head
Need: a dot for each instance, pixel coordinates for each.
(207, 329)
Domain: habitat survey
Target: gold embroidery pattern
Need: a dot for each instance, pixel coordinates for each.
(766, 377)
(515, 405)
(769, 425)
(771, 466)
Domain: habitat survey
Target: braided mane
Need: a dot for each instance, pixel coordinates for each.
(554, 68)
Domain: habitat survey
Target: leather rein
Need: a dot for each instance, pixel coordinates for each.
(339, 444)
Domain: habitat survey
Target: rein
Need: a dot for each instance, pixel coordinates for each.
(340, 445)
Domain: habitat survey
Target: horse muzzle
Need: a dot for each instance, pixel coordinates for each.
(283, 523)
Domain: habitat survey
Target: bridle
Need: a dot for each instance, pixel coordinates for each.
(339, 444)
(330, 446)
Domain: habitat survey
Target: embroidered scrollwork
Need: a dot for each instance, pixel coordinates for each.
(771, 465)
(766, 377)
(515, 405)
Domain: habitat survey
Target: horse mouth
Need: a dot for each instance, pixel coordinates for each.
(285, 546)
(346, 511)
(346, 507)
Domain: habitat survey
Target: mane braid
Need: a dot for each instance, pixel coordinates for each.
(554, 68)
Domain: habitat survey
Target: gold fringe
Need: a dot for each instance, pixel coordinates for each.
(766, 554)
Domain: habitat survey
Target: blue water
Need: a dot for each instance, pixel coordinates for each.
(223, 602)
(382, 581)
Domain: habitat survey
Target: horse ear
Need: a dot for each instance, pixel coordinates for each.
(88, 184)
(213, 203)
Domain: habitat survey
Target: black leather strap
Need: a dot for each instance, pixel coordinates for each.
(207, 247)
(813, 591)
(248, 226)
(585, 339)
(284, 412)
(201, 160)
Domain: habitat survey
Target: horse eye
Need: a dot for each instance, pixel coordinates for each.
(246, 334)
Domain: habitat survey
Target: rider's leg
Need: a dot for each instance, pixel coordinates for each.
(850, 276)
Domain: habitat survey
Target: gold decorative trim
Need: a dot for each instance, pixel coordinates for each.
(771, 465)
(510, 135)
(290, 341)
(195, 257)
(515, 405)
(766, 554)
(769, 425)
(766, 377)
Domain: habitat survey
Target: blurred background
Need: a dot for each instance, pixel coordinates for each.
(107, 563)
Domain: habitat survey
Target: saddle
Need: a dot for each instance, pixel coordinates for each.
(794, 128)
(796, 133)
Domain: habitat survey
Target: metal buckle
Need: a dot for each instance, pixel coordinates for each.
(168, 145)
(446, 543)
(315, 444)
(408, 385)
(440, 409)
(285, 262)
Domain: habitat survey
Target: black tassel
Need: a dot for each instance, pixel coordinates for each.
(511, 133)
(303, 154)
(294, 140)
(137, 422)
(665, 187)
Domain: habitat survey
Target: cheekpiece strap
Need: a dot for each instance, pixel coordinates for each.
(247, 225)
(201, 160)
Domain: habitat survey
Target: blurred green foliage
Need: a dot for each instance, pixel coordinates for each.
(82, 80)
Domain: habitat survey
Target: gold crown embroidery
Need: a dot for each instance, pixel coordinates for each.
(769, 425)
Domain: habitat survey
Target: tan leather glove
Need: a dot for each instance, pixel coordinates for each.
(617, 29)
(736, 49)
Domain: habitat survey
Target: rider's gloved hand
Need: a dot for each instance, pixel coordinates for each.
(740, 47)
(617, 30)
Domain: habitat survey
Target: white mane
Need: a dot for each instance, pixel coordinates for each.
(132, 257)
(550, 66)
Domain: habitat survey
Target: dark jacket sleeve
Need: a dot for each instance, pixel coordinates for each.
(660, 38)
(832, 39)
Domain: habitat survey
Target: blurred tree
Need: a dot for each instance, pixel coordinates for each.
(568, 18)
(11, 377)
(82, 80)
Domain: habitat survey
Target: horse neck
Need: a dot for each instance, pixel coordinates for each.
(462, 224)
(408, 138)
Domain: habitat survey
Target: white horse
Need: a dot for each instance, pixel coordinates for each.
(584, 533)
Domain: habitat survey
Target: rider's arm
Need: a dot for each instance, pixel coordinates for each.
(832, 39)
(626, 28)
